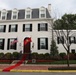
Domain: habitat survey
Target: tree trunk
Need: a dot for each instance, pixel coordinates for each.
(68, 64)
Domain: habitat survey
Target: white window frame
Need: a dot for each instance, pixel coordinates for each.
(16, 14)
(41, 12)
(2, 14)
(28, 11)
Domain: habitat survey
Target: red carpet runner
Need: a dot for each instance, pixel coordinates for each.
(17, 64)
(22, 60)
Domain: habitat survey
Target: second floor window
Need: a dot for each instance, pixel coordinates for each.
(27, 27)
(42, 27)
(13, 28)
(2, 44)
(2, 28)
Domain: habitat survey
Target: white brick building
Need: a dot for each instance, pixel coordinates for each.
(23, 23)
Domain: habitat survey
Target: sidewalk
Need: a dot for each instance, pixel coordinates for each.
(35, 68)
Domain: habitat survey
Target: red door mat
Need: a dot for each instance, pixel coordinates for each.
(17, 64)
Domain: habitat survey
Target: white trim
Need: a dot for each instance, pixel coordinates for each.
(42, 8)
(14, 10)
(4, 11)
(26, 10)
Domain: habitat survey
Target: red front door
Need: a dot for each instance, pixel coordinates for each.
(27, 47)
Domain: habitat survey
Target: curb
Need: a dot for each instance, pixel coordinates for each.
(43, 71)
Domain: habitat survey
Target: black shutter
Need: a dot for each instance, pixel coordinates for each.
(70, 40)
(74, 40)
(8, 44)
(3, 44)
(46, 26)
(9, 28)
(4, 28)
(38, 27)
(46, 41)
(16, 28)
(58, 40)
(38, 43)
(23, 27)
(30, 27)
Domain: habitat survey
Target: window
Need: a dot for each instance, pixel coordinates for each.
(3, 15)
(72, 39)
(13, 28)
(42, 43)
(2, 44)
(60, 40)
(42, 12)
(28, 15)
(14, 15)
(12, 43)
(72, 50)
(2, 28)
(28, 12)
(27, 27)
(43, 27)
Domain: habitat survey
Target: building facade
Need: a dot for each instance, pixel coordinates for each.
(17, 25)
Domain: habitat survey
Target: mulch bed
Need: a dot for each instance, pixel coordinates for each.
(62, 68)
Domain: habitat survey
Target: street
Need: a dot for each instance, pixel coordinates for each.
(15, 73)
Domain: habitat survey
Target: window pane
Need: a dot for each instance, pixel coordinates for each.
(13, 27)
(42, 43)
(42, 27)
(1, 44)
(2, 28)
(28, 16)
(27, 27)
(42, 15)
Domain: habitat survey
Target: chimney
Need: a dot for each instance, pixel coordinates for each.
(49, 8)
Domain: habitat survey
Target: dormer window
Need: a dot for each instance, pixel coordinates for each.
(42, 12)
(15, 14)
(3, 14)
(28, 13)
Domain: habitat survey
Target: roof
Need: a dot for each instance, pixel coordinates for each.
(21, 14)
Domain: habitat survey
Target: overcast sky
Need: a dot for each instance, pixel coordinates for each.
(59, 7)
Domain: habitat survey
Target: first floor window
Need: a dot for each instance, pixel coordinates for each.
(72, 50)
(12, 43)
(2, 44)
(42, 43)
(60, 40)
